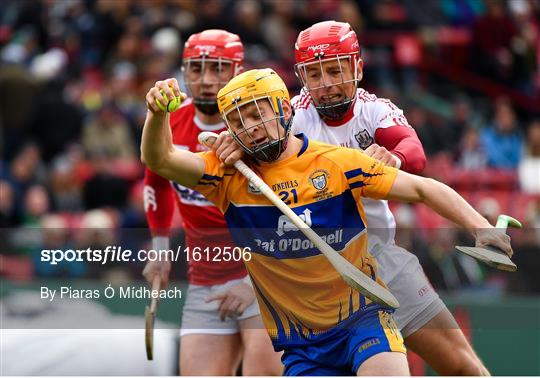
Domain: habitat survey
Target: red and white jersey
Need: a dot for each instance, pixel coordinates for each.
(203, 223)
(359, 129)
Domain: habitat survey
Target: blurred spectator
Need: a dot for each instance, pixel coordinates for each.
(526, 252)
(431, 135)
(210, 15)
(8, 214)
(108, 134)
(66, 189)
(462, 12)
(460, 120)
(529, 167)
(471, 155)
(97, 231)
(489, 208)
(423, 13)
(16, 85)
(36, 204)
(457, 271)
(247, 18)
(492, 36)
(134, 215)
(55, 235)
(104, 188)
(54, 122)
(502, 141)
(27, 169)
(524, 46)
(407, 234)
(388, 15)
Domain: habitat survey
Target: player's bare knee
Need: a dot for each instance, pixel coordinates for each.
(263, 370)
(259, 362)
(467, 364)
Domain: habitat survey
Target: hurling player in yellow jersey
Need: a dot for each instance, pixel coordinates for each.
(321, 324)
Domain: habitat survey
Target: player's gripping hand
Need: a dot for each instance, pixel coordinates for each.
(234, 301)
(382, 154)
(161, 268)
(494, 237)
(165, 91)
(226, 149)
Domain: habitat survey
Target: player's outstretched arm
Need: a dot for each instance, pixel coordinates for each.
(157, 150)
(449, 204)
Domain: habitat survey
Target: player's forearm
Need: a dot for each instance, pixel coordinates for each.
(156, 142)
(449, 204)
(160, 156)
(439, 197)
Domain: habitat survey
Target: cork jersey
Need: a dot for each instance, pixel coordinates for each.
(203, 223)
(369, 114)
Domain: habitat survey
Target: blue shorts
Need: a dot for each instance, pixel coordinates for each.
(374, 333)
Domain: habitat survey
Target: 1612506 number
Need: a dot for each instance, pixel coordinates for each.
(218, 254)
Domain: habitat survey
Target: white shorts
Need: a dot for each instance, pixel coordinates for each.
(199, 317)
(419, 302)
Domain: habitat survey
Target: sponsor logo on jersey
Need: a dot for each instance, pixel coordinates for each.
(285, 224)
(189, 196)
(364, 139)
(285, 185)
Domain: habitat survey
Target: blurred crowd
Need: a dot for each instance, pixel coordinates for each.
(74, 74)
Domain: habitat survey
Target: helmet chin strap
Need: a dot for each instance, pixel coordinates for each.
(335, 111)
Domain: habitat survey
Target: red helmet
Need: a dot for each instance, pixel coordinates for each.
(213, 44)
(325, 41)
(217, 48)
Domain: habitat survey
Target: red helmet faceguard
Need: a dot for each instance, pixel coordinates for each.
(322, 42)
(216, 50)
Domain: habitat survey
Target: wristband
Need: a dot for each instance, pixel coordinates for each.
(160, 243)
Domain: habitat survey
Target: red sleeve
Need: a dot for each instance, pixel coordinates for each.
(403, 142)
(158, 203)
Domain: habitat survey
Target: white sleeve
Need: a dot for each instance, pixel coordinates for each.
(300, 122)
(385, 114)
(295, 101)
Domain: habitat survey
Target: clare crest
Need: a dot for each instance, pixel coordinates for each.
(319, 179)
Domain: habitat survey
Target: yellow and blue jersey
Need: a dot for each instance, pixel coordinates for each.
(301, 296)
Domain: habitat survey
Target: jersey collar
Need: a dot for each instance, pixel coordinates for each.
(305, 143)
